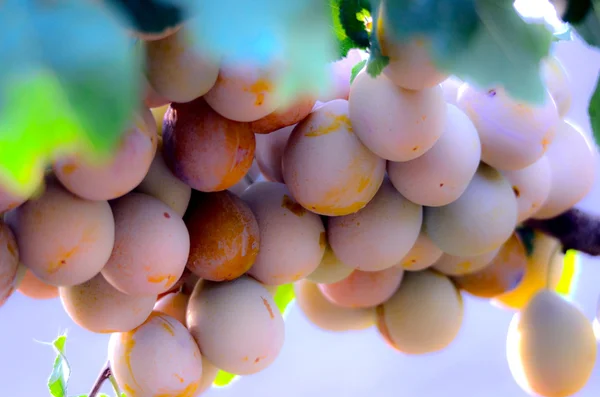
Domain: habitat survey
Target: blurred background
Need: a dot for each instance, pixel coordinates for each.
(313, 362)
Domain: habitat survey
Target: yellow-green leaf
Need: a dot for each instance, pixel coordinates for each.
(570, 271)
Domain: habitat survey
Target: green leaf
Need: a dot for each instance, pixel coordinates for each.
(355, 29)
(57, 383)
(344, 43)
(505, 51)
(150, 16)
(527, 236)
(261, 32)
(589, 27)
(74, 78)
(224, 378)
(449, 24)
(284, 296)
(377, 61)
(594, 111)
(356, 69)
(36, 125)
(97, 69)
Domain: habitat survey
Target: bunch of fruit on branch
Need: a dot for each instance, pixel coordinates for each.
(385, 201)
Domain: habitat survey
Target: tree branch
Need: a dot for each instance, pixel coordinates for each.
(575, 229)
(104, 375)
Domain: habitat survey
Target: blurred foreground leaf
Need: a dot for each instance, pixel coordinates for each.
(71, 81)
(594, 111)
(504, 51)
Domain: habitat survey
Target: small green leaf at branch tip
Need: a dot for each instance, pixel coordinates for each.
(594, 111)
(59, 377)
(356, 70)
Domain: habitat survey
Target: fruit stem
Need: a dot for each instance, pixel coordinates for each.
(104, 375)
(575, 229)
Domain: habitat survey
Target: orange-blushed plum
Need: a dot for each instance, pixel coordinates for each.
(513, 134)
(283, 117)
(269, 152)
(546, 256)
(379, 235)
(422, 254)
(329, 316)
(479, 221)
(99, 307)
(107, 179)
(327, 168)
(451, 265)
(204, 149)
(62, 238)
(395, 123)
(134, 364)
(151, 247)
(176, 70)
(502, 274)
(330, 270)
(434, 318)
(9, 262)
(34, 288)
(244, 92)
(292, 239)
(364, 289)
(224, 236)
(236, 324)
(174, 305)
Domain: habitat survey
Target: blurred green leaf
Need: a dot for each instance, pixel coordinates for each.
(284, 296)
(377, 61)
(57, 383)
(224, 378)
(260, 32)
(588, 27)
(36, 125)
(449, 24)
(72, 82)
(594, 111)
(505, 51)
(151, 16)
(356, 69)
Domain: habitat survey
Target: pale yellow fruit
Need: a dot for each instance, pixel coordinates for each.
(551, 347)
(423, 316)
(328, 316)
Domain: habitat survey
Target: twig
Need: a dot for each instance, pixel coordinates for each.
(575, 229)
(104, 375)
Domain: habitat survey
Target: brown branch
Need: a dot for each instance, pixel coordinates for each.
(575, 229)
(104, 375)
